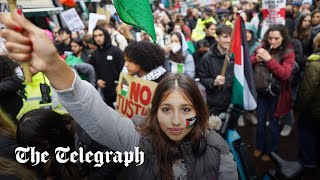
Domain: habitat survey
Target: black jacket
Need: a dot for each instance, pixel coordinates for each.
(218, 99)
(211, 40)
(62, 47)
(85, 55)
(108, 62)
(9, 99)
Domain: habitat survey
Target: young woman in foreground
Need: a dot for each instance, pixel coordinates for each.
(175, 140)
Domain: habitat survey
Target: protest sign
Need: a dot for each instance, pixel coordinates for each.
(274, 12)
(72, 19)
(93, 18)
(134, 95)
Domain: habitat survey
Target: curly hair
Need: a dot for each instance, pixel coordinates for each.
(6, 67)
(282, 30)
(146, 54)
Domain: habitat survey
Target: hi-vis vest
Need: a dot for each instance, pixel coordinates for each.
(198, 32)
(34, 97)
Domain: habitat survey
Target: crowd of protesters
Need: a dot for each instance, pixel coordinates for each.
(193, 43)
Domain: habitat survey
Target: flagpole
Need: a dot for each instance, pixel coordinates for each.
(225, 63)
(25, 65)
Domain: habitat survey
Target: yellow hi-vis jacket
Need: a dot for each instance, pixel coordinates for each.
(34, 97)
(198, 32)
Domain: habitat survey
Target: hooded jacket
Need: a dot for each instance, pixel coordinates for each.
(188, 63)
(308, 99)
(218, 99)
(253, 44)
(107, 61)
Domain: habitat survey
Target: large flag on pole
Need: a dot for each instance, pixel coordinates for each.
(243, 89)
(137, 13)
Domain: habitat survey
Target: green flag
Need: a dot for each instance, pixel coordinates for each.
(137, 13)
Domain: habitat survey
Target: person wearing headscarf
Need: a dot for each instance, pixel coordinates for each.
(179, 60)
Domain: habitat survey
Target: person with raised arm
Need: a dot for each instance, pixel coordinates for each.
(175, 139)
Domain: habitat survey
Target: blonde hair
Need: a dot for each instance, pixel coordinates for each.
(102, 23)
(7, 127)
(11, 168)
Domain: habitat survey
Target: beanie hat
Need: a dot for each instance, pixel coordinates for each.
(296, 3)
(307, 2)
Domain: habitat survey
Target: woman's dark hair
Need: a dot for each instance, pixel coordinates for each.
(161, 144)
(7, 67)
(208, 24)
(249, 14)
(147, 55)
(284, 33)
(77, 41)
(178, 56)
(46, 130)
(302, 34)
(202, 43)
(66, 30)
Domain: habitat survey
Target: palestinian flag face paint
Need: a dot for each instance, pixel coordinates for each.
(190, 122)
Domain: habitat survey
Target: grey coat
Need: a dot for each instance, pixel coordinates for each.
(109, 128)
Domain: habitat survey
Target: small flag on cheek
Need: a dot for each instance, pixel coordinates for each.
(190, 122)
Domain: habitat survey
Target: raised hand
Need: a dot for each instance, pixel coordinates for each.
(27, 42)
(263, 54)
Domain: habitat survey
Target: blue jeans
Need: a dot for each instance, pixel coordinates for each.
(267, 137)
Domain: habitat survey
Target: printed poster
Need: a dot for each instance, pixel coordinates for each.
(134, 95)
(72, 19)
(274, 12)
(93, 18)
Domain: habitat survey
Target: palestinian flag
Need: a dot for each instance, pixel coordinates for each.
(124, 87)
(243, 89)
(137, 13)
(190, 122)
(177, 68)
(51, 24)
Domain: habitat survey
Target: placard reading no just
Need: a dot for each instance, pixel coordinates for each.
(134, 95)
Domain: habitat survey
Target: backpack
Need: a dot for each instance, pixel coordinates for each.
(266, 82)
(115, 39)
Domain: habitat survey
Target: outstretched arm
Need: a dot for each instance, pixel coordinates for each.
(28, 43)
